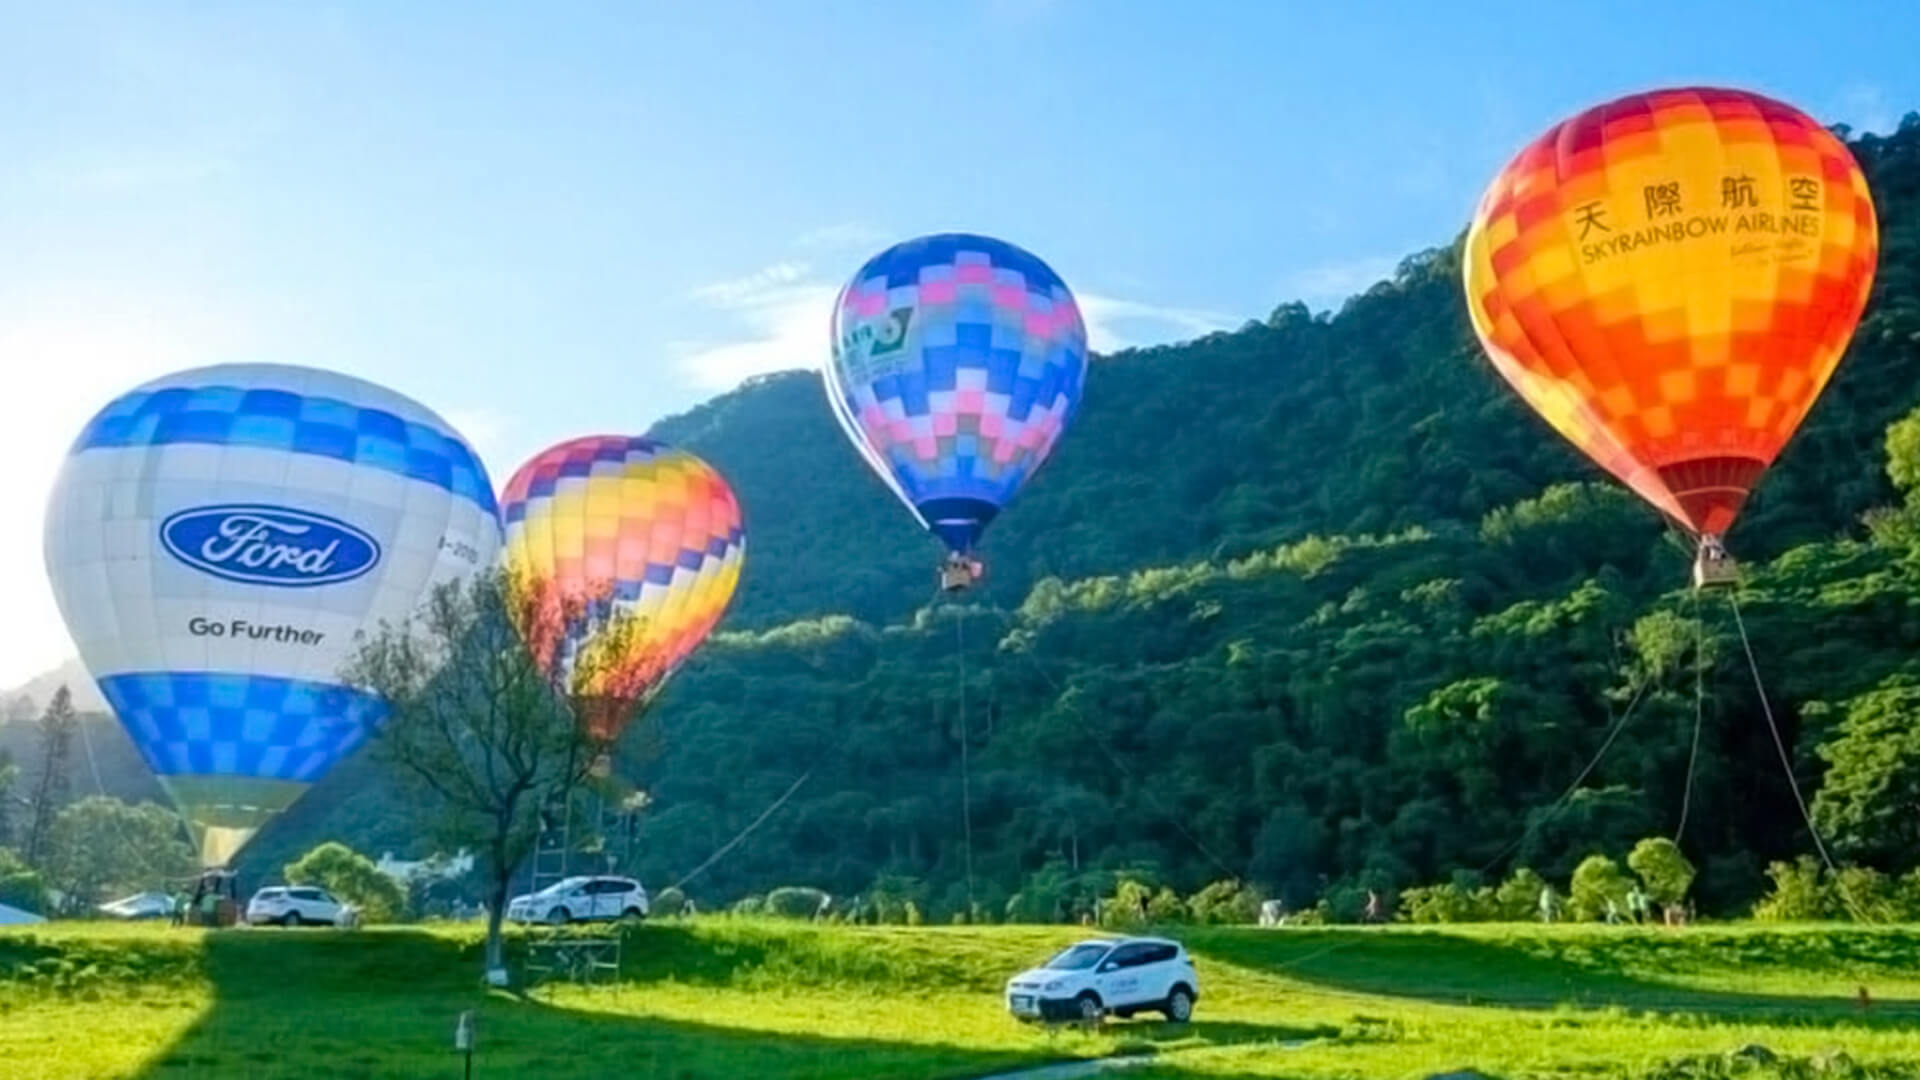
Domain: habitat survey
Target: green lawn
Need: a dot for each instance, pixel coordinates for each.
(730, 998)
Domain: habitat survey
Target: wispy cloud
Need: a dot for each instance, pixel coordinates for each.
(781, 313)
(1331, 283)
(1114, 324)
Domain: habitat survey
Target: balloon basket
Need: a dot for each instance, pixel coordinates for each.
(960, 573)
(1713, 567)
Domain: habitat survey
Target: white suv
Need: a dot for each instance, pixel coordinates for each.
(581, 899)
(292, 905)
(1117, 975)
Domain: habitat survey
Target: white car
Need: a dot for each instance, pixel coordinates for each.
(1121, 976)
(581, 899)
(296, 905)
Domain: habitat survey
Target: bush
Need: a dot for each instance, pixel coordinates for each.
(796, 901)
(1224, 903)
(1662, 869)
(1597, 881)
(1518, 898)
(1798, 894)
(20, 885)
(749, 905)
(350, 876)
(669, 901)
(1449, 903)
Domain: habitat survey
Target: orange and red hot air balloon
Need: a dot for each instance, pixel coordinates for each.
(1670, 279)
(627, 551)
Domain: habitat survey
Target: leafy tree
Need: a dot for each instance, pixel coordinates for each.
(1597, 881)
(100, 847)
(796, 901)
(1518, 898)
(1869, 803)
(350, 876)
(475, 728)
(50, 789)
(1661, 867)
(1228, 902)
(1798, 895)
(21, 886)
(9, 776)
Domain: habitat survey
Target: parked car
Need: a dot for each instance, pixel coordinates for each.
(1121, 976)
(146, 905)
(296, 905)
(581, 899)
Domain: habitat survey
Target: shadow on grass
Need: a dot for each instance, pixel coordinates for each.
(308, 1003)
(1539, 973)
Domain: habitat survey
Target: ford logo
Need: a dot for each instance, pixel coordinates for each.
(269, 545)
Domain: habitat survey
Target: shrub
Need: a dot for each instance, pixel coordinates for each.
(1662, 869)
(1596, 881)
(1224, 903)
(795, 901)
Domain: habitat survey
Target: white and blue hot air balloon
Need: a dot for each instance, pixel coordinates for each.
(215, 540)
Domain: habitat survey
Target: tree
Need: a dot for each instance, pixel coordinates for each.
(1869, 803)
(9, 775)
(352, 877)
(100, 846)
(21, 886)
(1597, 880)
(475, 727)
(50, 784)
(1662, 869)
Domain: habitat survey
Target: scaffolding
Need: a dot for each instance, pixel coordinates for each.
(591, 833)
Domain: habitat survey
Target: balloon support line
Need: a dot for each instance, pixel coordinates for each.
(1619, 725)
(1699, 712)
(1786, 764)
(1101, 744)
(966, 781)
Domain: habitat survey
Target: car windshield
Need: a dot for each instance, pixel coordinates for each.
(560, 887)
(1076, 958)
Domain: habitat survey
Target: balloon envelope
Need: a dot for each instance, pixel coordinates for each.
(215, 540)
(957, 362)
(1670, 280)
(614, 525)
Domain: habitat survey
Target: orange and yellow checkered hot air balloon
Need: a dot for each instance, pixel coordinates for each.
(626, 551)
(1670, 280)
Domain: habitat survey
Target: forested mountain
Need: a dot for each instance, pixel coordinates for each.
(1316, 603)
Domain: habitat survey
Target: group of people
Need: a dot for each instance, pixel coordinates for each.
(1640, 907)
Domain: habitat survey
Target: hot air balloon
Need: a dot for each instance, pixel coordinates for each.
(216, 538)
(958, 361)
(629, 551)
(1670, 279)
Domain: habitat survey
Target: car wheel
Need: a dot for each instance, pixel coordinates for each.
(1179, 1008)
(1090, 1009)
(292, 918)
(559, 916)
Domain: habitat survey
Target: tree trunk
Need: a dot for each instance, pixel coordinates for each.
(496, 911)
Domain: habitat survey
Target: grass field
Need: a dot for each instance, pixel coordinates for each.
(732, 998)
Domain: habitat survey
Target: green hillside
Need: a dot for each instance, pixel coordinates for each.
(1317, 602)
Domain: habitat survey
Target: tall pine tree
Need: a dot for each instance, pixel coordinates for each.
(51, 785)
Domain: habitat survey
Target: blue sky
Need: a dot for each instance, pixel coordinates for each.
(547, 219)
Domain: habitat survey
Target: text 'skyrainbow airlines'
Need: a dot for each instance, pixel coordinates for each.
(1670, 280)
